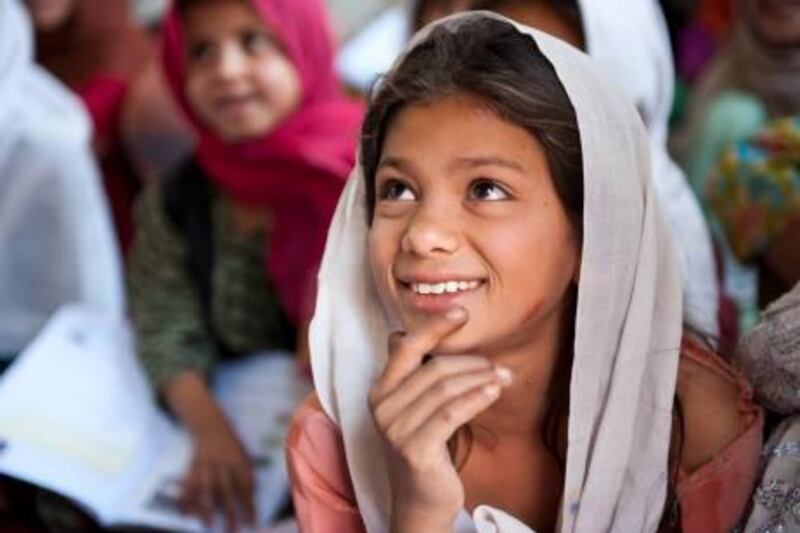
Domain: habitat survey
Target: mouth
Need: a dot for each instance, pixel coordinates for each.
(440, 295)
(234, 104)
(444, 287)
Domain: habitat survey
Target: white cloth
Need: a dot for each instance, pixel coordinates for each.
(370, 52)
(56, 235)
(630, 39)
(628, 330)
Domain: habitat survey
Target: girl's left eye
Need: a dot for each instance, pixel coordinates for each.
(487, 190)
(255, 41)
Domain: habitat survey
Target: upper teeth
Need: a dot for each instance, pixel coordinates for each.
(445, 286)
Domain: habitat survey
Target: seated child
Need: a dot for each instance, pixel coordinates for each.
(504, 225)
(227, 247)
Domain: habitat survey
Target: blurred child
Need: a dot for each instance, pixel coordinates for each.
(755, 77)
(94, 47)
(227, 247)
(56, 234)
(538, 377)
(55, 231)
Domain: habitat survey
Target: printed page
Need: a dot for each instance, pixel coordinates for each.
(259, 394)
(76, 412)
(77, 416)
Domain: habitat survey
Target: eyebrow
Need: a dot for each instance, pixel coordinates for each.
(403, 165)
(485, 161)
(397, 163)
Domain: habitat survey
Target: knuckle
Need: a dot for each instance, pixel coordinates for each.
(448, 414)
(444, 388)
(394, 340)
(374, 398)
(394, 435)
(380, 417)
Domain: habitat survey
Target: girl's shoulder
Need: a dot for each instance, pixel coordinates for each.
(721, 440)
(321, 487)
(716, 404)
(310, 420)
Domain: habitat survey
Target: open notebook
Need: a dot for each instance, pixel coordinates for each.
(77, 416)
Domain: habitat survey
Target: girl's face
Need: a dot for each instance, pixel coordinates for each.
(775, 22)
(239, 81)
(47, 15)
(466, 214)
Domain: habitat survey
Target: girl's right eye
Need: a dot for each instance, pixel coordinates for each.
(200, 51)
(395, 191)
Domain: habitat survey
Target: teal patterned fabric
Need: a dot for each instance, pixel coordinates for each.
(755, 190)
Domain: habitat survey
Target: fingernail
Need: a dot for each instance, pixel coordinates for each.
(504, 374)
(456, 314)
(491, 390)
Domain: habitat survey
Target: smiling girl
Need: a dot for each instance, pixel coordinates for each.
(498, 339)
(227, 246)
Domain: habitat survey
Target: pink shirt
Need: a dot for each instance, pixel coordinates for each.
(712, 498)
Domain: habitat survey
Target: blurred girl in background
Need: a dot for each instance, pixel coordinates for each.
(227, 247)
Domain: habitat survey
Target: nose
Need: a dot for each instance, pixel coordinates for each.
(231, 62)
(431, 232)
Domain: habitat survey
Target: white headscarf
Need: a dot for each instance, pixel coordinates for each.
(630, 39)
(628, 327)
(56, 234)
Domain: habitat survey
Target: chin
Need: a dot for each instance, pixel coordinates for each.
(462, 342)
(45, 22)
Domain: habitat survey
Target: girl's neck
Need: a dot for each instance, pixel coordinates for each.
(245, 219)
(523, 406)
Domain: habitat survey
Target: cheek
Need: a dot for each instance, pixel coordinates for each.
(196, 94)
(535, 261)
(381, 251)
(281, 82)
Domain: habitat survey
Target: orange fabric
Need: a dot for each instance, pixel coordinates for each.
(323, 495)
(712, 498)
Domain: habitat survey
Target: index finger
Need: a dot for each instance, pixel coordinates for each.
(245, 488)
(407, 352)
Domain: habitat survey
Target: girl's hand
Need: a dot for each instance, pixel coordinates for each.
(220, 476)
(417, 408)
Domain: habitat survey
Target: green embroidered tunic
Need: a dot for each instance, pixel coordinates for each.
(173, 334)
